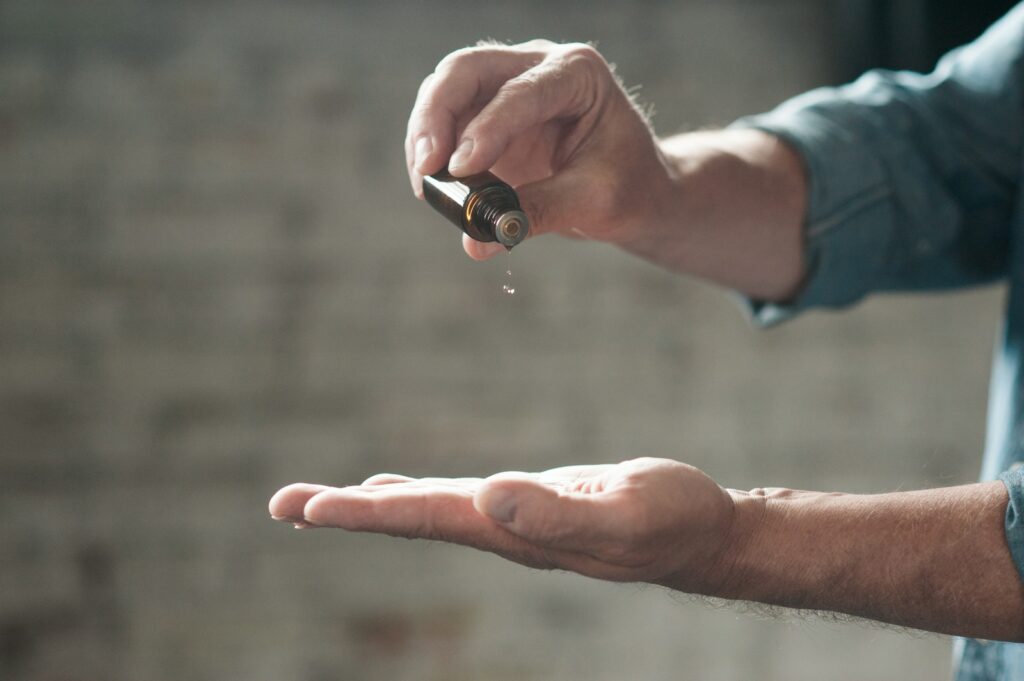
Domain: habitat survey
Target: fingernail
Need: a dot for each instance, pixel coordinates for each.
(461, 155)
(282, 518)
(501, 506)
(303, 525)
(423, 148)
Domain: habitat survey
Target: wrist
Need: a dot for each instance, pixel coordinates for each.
(930, 559)
(772, 555)
(742, 545)
(722, 571)
(730, 210)
(659, 222)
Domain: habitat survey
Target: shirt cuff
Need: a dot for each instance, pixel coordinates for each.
(849, 214)
(1014, 481)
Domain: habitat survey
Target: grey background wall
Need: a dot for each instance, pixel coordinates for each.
(214, 281)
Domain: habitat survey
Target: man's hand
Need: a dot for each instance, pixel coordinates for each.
(651, 520)
(931, 559)
(554, 122)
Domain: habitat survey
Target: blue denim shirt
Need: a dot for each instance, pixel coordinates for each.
(915, 184)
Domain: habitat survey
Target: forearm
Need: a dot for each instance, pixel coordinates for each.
(932, 559)
(731, 211)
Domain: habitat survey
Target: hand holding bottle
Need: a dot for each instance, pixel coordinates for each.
(553, 121)
(549, 119)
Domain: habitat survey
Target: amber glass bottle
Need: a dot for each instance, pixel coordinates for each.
(480, 205)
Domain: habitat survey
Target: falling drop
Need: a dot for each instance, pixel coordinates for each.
(508, 287)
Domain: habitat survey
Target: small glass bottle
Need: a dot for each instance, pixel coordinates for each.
(480, 205)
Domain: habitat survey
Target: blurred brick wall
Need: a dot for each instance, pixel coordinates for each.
(214, 281)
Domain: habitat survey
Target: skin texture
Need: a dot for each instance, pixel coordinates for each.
(553, 121)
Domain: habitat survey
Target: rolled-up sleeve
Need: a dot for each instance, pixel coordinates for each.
(912, 178)
(1014, 481)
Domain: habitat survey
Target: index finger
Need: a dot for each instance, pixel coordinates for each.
(462, 80)
(442, 512)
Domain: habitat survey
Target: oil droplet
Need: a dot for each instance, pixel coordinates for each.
(508, 288)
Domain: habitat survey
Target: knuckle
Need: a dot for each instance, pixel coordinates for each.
(640, 465)
(427, 84)
(583, 56)
(585, 71)
(450, 60)
(460, 59)
(584, 51)
(524, 84)
(425, 102)
(423, 525)
(538, 44)
(419, 111)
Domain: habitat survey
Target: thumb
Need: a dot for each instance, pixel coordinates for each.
(547, 516)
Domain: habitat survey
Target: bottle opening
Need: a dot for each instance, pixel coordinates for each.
(511, 228)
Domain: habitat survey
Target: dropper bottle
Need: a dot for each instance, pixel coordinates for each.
(480, 205)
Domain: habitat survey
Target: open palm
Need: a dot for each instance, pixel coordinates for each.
(652, 520)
